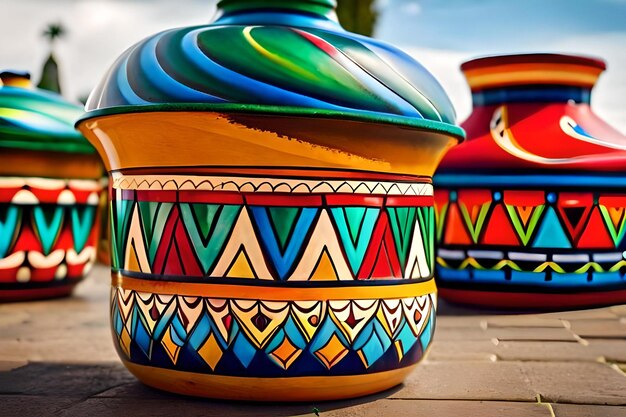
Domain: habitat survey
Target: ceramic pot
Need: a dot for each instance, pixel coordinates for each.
(48, 193)
(272, 210)
(531, 207)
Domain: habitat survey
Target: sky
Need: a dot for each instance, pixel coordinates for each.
(441, 34)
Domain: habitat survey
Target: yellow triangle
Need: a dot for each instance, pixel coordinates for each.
(240, 268)
(132, 261)
(324, 271)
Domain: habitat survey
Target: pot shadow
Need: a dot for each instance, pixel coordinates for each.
(109, 389)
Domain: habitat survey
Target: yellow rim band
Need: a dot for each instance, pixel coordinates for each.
(255, 292)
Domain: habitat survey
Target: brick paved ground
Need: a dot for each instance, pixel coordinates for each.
(56, 358)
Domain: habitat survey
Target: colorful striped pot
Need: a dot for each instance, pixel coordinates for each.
(272, 210)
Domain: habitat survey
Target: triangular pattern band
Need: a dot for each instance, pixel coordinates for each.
(257, 338)
(570, 240)
(281, 229)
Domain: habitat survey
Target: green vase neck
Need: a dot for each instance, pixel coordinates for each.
(278, 12)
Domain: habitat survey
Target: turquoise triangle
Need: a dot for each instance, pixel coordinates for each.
(120, 215)
(551, 233)
(48, 222)
(204, 215)
(426, 216)
(356, 247)
(82, 223)
(11, 217)
(283, 220)
(402, 220)
(153, 219)
(208, 238)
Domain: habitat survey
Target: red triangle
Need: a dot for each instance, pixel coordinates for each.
(161, 258)
(499, 230)
(473, 201)
(186, 252)
(455, 232)
(381, 259)
(595, 234)
(175, 254)
(581, 202)
(173, 264)
(441, 198)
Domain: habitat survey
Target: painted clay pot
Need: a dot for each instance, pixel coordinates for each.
(272, 210)
(531, 207)
(48, 193)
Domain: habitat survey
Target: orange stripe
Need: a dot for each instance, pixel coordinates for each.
(256, 292)
(516, 74)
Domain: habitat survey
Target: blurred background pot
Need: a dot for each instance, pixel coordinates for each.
(531, 207)
(49, 185)
(272, 210)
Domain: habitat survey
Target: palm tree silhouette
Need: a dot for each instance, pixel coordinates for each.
(50, 72)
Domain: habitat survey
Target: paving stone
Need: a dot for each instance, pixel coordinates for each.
(11, 350)
(438, 408)
(8, 364)
(603, 328)
(527, 321)
(619, 310)
(506, 333)
(460, 322)
(576, 410)
(10, 316)
(467, 350)
(545, 351)
(383, 407)
(532, 333)
(461, 333)
(33, 405)
(589, 314)
(189, 407)
(78, 381)
(499, 381)
(580, 382)
(136, 390)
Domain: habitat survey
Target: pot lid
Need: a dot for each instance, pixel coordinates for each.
(35, 119)
(532, 69)
(277, 57)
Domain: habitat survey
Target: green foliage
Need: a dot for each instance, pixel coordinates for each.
(358, 16)
(54, 31)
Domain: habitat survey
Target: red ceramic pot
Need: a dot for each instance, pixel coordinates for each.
(531, 208)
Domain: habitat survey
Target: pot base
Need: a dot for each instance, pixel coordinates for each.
(541, 301)
(268, 389)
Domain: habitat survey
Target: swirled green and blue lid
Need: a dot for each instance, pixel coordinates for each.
(37, 120)
(260, 56)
